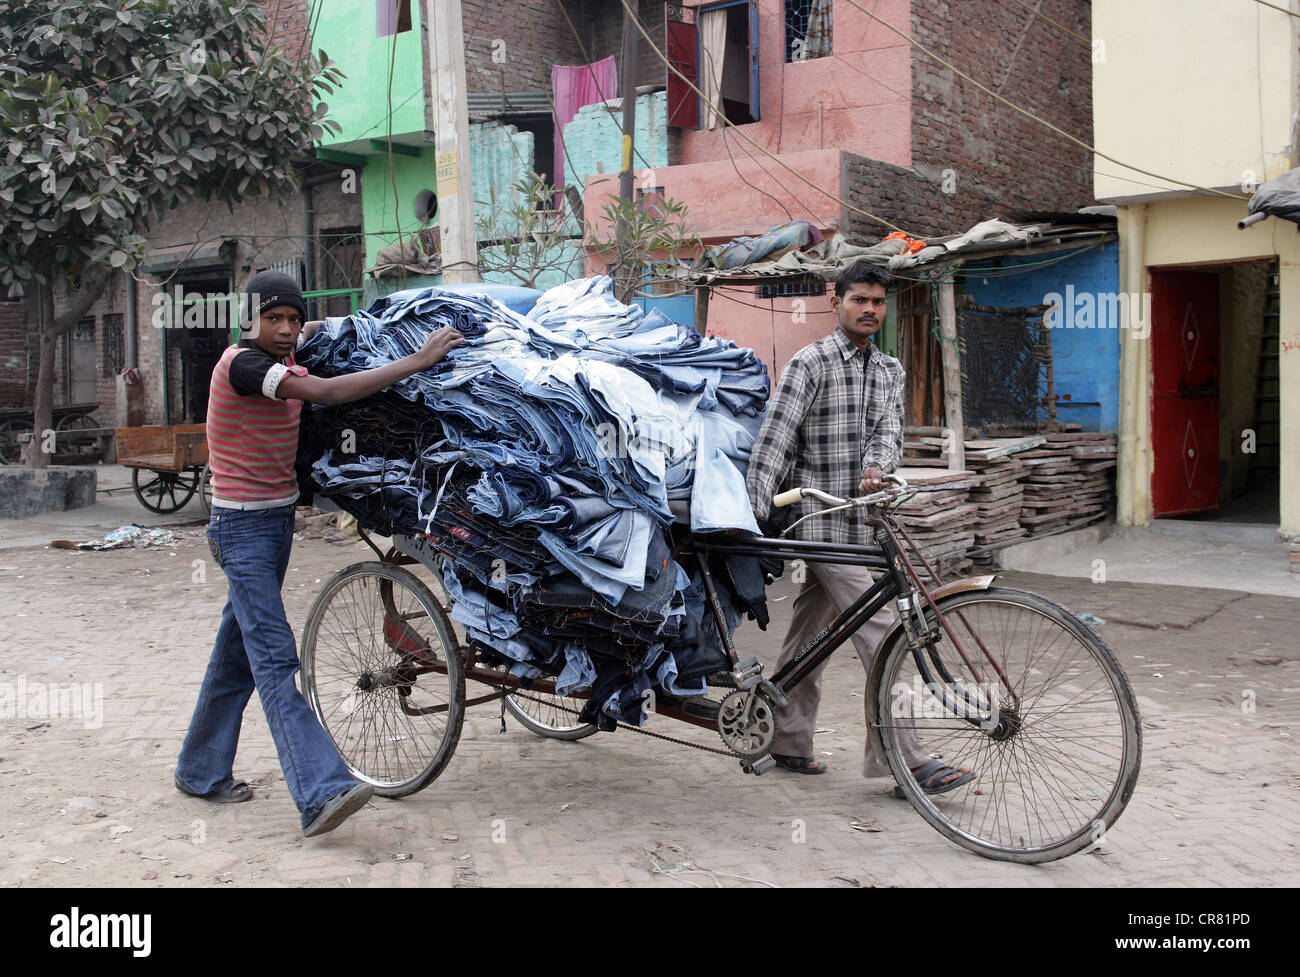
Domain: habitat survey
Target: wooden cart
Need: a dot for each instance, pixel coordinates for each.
(169, 464)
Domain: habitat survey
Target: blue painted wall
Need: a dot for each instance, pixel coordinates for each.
(1085, 351)
(594, 139)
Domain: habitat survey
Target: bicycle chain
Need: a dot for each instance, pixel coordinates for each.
(636, 729)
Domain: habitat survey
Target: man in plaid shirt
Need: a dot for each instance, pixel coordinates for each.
(835, 424)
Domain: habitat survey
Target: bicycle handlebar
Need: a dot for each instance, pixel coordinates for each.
(799, 494)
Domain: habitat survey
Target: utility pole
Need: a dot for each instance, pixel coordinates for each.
(627, 86)
(445, 52)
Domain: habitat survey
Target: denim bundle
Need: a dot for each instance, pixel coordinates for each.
(541, 455)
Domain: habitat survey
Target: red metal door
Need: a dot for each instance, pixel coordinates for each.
(681, 42)
(1185, 391)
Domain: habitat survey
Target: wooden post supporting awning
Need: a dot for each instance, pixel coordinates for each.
(952, 412)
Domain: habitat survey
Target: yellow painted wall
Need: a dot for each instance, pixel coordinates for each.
(1198, 90)
(1190, 231)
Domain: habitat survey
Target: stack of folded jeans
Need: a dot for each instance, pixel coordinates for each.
(542, 455)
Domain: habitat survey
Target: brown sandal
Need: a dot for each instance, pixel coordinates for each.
(800, 764)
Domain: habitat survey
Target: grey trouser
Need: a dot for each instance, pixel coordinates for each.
(828, 590)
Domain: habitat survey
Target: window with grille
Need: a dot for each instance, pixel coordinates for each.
(807, 29)
(114, 346)
(803, 285)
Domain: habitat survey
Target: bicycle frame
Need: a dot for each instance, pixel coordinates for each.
(898, 578)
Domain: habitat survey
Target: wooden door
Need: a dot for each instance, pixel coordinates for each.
(1185, 391)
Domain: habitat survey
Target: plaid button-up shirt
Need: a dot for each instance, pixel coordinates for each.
(836, 413)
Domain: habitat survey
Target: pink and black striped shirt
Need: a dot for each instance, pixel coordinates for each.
(252, 437)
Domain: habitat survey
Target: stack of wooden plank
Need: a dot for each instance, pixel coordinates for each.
(1068, 484)
(1014, 488)
(940, 517)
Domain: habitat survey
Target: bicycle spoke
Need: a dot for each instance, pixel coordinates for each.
(1065, 736)
(365, 689)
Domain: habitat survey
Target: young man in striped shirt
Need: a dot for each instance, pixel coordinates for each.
(252, 428)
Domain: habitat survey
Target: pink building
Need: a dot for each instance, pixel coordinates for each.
(838, 115)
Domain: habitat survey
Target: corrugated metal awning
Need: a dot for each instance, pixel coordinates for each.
(486, 105)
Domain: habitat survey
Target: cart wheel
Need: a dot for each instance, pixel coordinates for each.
(164, 492)
(205, 488)
(382, 669)
(78, 422)
(10, 450)
(552, 716)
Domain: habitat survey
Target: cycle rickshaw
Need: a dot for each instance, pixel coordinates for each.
(1003, 682)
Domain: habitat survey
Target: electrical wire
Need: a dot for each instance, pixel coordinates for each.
(1015, 51)
(586, 58)
(559, 132)
(392, 173)
(1289, 13)
(1087, 41)
(998, 199)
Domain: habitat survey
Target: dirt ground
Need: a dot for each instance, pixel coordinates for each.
(86, 797)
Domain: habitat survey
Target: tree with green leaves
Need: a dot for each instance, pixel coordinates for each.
(521, 236)
(113, 112)
(642, 241)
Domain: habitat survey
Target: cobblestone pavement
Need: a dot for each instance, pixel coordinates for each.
(1218, 802)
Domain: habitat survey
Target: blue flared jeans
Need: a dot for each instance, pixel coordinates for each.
(255, 648)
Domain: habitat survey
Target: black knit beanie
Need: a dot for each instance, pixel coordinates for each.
(266, 290)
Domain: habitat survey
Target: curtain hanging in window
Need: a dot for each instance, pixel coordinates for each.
(819, 29)
(575, 86)
(713, 46)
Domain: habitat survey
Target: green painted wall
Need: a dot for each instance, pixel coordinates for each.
(381, 212)
(346, 32)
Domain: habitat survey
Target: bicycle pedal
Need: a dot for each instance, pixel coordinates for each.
(758, 766)
(722, 680)
(747, 673)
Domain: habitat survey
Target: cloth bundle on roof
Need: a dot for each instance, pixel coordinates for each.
(768, 246)
(1279, 197)
(542, 455)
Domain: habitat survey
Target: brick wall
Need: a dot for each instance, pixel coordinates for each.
(1001, 160)
(604, 20)
(521, 43)
(286, 22)
(550, 38)
(894, 193)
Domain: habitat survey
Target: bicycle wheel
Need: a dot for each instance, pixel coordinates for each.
(164, 492)
(552, 716)
(383, 671)
(1052, 734)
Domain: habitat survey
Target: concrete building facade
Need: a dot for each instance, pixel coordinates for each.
(1210, 400)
